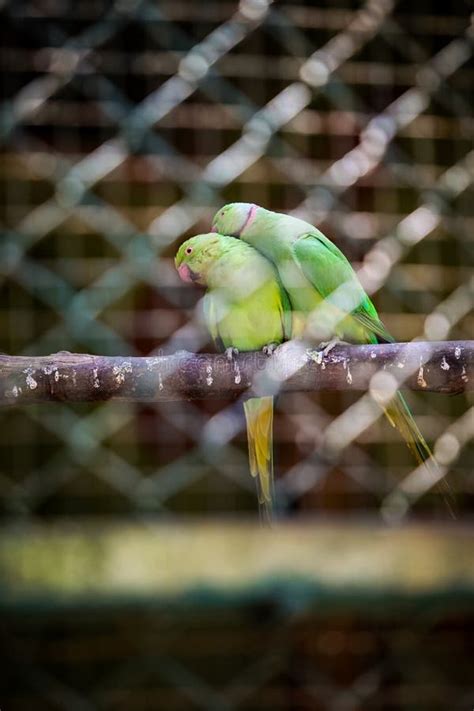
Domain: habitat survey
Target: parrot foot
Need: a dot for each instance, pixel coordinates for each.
(324, 349)
(230, 353)
(315, 355)
(326, 346)
(270, 349)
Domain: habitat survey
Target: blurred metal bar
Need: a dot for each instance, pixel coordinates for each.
(64, 563)
(444, 366)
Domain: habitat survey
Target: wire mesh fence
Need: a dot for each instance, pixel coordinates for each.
(125, 125)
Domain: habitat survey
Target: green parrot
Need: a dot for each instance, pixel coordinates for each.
(245, 309)
(325, 293)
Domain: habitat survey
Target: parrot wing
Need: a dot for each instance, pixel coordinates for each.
(258, 414)
(286, 313)
(210, 316)
(326, 267)
(261, 309)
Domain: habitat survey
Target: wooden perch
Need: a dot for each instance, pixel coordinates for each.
(446, 367)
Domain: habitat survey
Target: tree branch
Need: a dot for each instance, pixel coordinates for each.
(446, 367)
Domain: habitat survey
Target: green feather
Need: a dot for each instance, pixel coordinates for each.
(323, 289)
(333, 277)
(245, 307)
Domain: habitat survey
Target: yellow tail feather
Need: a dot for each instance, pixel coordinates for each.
(259, 418)
(399, 415)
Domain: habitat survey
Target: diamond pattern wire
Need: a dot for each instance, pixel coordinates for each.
(124, 125)
(74, 181)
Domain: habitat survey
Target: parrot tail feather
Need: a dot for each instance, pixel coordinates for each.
(259, 419)
(399, 415)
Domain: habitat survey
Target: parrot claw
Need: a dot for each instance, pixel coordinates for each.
(315, 355)
(230, 353)
(270, 349)
(324, 349)
(326, 346)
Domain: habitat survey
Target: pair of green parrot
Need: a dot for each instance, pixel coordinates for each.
(271, 277)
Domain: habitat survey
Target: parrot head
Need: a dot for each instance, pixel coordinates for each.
(196, 256)
(232, 219)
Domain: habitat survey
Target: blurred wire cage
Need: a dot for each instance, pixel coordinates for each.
(125, 125)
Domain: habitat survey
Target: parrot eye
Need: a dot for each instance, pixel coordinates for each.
(189, 250)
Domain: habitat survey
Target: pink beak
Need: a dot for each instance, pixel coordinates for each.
(185, 273)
